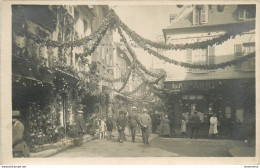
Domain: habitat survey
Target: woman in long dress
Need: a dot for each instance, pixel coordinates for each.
(213, 129)
(165, 127)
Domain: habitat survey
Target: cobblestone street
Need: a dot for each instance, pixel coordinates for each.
(159, 147)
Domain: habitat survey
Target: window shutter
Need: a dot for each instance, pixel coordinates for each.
(203, 15)
(238, 51)
(238, 54)
(195, 16)
(211, 56)
(189, 56)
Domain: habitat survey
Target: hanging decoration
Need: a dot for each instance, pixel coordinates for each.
(108, 22)
(220, 8)
(197, 66)
(127, 79)
(197, 45)
(132, 53)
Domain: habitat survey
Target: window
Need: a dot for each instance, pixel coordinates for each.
(246, 14)
(201, 56)
(242, 50)
(200, 14)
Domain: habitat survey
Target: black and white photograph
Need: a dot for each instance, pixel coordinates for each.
(131, 81)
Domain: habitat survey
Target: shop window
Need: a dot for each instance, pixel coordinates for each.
(200, 14)
(240, 115)
(242, 50)
(228, 112)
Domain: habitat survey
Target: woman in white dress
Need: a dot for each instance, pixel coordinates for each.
(213, 129)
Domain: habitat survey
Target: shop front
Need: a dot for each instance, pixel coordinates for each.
(232, 100)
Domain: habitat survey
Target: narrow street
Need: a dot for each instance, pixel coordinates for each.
(158, 147)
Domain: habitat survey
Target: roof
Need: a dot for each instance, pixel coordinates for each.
(227, 16)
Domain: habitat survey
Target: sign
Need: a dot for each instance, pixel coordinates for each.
(200, 84)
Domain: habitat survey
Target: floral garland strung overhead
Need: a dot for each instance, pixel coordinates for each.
(127, 79)
(122, 77)
(107, 23)
(155, 81)
(132, 53)
(198, 66)
(203, 44)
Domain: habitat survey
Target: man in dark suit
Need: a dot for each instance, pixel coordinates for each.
(109, 124)
(132, 118)
(195, 124)
(80, 126)
(121, 124)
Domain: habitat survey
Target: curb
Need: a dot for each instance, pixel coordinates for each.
(51, 152)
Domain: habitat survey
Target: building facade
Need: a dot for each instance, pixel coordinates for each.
(227, 92)
(50, 82)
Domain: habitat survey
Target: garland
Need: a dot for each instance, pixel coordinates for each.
(119, 90)
(203, 44)
(146, 80)
(107, 22)
(198, 66)
(120, 78)
(132, 53)
(95, 45)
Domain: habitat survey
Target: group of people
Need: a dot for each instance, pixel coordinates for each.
(133, 120)
(190, 126)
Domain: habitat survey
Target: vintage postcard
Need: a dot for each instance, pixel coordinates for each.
(130, 82)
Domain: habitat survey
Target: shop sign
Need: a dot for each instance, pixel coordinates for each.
(207, 84)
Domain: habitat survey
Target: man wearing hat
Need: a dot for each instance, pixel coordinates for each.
(133, 121)
(195, 124)
(145, 122)
(80, 126)
(19, 145)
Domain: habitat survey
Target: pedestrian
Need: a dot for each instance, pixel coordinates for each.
(213, 129)
(20, 148)
(195, 124)
(133, 121)
(183, 126)
(80, 126)
(154, 122)
(101, 125)
(145, 122)
(110, 126)
(165, 127)
(121, 124)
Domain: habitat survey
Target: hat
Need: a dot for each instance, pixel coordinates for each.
(80, 112)
(144, 110)
(16, 113)
(134, 108)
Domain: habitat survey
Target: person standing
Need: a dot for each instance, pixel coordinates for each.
(145, 122)
(165, 127)
(110, 126)
(195, 124)
(183, 126)
(213, 129)
(133, 121)
(102, 125)
(20, 148)
(80, 126)
(121, 124)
